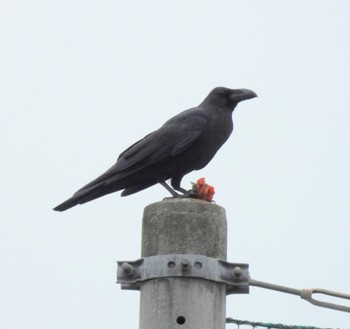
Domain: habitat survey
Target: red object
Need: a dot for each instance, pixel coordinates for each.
(204, 191)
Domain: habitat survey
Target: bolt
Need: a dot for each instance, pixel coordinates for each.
(127, 268)
(171, 264)
(237, 272)
(186, 265)
(198, 265)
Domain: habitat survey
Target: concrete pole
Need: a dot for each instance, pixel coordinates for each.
(183, 226)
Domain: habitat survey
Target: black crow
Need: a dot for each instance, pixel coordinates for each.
(186, 142)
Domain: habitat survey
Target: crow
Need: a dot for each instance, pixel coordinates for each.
(184, 143)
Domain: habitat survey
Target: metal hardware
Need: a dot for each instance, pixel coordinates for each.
(127, 268)
(306, 294)
(234, 275)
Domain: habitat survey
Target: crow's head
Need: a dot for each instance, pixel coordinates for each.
(228, 98)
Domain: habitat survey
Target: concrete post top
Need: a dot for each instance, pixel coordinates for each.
(185, 205)
(184, 226)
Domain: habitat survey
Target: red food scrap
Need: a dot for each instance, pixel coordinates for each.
(203, 190)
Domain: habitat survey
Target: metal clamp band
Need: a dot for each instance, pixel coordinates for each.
(234, 275)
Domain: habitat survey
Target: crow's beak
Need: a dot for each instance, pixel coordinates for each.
(239, 95)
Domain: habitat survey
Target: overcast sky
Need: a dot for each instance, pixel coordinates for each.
(82, 80)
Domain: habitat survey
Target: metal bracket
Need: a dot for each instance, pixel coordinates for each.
(234, 275)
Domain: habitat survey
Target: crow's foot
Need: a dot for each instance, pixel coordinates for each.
(190, 194)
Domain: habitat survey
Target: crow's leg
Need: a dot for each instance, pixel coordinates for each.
(170, 190)
(186, 194)
(175, 183)
(182, 190)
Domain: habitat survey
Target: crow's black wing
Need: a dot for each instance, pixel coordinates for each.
(174, 137)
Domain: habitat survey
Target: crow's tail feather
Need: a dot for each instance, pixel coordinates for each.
(85, 196)
(71, 202)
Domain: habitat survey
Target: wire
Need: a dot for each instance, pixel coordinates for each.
(268, 325)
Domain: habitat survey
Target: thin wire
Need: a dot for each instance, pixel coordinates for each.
(268, 325)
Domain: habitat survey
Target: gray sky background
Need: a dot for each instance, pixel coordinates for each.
(82, 80)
